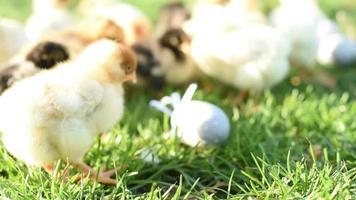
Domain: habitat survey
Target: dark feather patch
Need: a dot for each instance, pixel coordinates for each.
(46, 55)
(146, 60)
(6, 77)
(146, 63)
(173, 40)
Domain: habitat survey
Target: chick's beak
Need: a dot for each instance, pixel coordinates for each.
(132, 78)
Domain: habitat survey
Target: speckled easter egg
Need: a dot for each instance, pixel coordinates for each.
(200, 123)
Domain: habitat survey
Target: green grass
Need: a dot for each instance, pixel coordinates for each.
(295, 142)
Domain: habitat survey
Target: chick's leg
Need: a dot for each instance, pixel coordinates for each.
(49, 168)
(101, 177)
(243, 95)
(238, 99)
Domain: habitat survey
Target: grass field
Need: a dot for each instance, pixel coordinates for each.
(295, 142)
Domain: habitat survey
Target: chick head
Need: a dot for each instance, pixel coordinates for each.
(146, 60)
(111, 61)
(148, 66)
(177, 41)
(45, 55)
(128, 64)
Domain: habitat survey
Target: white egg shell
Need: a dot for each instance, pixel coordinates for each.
(200, 123)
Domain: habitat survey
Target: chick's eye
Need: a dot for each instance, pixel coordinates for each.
(128, 69)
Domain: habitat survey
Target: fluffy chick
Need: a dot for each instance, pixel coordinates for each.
(248, 11)
(135, 24)
(166, 57)
(177, 64)
(58, 119)
(253, 58)
(232, 43)
(300, 29)
(47, 16)
(302, 32)
(44, 55)
(173, 49)
(223, 17)
(12, 38)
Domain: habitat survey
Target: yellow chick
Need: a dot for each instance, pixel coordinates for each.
(174, 52)
(59, 112)
(232, 43)
(223, 16)
(173, 45)
(299, 21)
(300, 29)
(252, 59)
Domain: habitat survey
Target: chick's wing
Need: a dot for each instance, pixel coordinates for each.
(78, 99)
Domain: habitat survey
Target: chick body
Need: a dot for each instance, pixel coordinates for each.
(59, 119)
(174, 45)
(253, 58)
(214, 18)
(177, 63)
(298, 21)
(231, 42)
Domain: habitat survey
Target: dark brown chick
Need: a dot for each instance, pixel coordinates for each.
(45, 55)
(175, 40)
(148, 66)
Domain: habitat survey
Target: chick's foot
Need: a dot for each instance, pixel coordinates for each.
(48, 168)
(101, 177)
(239, 99)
